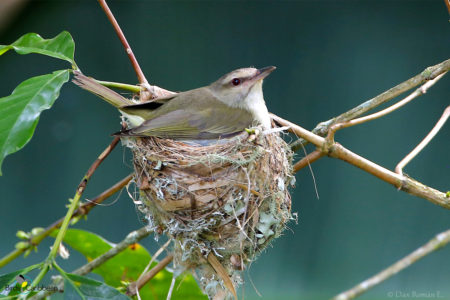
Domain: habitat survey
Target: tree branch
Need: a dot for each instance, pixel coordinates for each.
(123, 40)
(436, 243)
(428, 74)
(83, 210)
(137, 285)
(418, 92)
(307, 160)
(147, 91)
(131, 238)
(424, 142)
(73, 206)
(401, 182)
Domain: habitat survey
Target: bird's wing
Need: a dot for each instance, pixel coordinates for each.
(209, 122)
(151, 105)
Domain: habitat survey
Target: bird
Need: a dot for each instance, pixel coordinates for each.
(222, 109)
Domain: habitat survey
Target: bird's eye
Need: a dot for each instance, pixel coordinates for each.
(236, 81)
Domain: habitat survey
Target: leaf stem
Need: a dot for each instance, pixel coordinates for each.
(119, 85)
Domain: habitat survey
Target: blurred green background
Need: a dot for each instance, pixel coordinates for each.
(331, 56)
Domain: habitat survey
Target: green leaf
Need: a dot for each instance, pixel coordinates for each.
(62, 46)
(79, 287)
(21, 110)
(128, 265)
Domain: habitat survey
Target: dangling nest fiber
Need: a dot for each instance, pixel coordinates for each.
(221, 204)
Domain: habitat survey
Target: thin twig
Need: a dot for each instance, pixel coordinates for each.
(73, 206)
(147, 91)
(83, 210)
(447, 3)
(150, 274)
(172, 285)
(436, 243)
(428, 74)
(131, 238)
(134, 287)
(424, 142)
(336, 150)
(123, 40)
(307, 160)
(418, 92)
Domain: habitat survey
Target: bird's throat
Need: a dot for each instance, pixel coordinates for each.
(256, 105)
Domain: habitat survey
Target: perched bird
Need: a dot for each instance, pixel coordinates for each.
(222, 109)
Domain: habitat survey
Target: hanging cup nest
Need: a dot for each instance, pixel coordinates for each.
(222, 203)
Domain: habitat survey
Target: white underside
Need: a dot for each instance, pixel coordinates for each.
(257, 106)
(133, 120)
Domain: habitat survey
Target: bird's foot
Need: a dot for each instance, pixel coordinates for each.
(253, 133)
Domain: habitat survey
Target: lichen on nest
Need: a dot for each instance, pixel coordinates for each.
(221, 204)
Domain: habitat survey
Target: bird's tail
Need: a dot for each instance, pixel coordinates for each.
(103, 92)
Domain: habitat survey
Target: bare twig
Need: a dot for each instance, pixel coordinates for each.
(96, 163)
(87, 206)
(436, 243)
(336, 150)
(83, 210)
(123, 40)
(428, 74)
(424, 142)
(132, 238)
(418, 92)
(73, 206)
(147, 91)
(150, 274)
(172, 285)
(134, 287)
(307, 160)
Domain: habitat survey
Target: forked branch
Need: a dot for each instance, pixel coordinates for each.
(83, 210)
(428, 74)
(49, 262)
(332, 149)
(131, 238)
(424, 142)
(147, 91)
(418, 92)
(336, 150)
(123, 40)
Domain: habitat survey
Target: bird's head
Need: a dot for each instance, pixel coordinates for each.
(234, 88)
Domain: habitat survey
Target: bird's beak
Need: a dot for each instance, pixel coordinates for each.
(263, 73)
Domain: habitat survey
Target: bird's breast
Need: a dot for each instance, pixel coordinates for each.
(257, 106)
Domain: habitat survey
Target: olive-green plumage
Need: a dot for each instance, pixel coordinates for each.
(224, 108)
